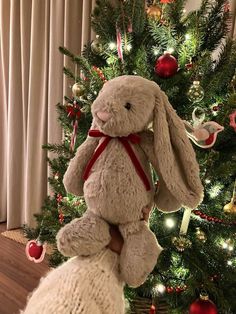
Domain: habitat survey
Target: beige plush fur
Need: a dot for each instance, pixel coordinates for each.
(114, 192)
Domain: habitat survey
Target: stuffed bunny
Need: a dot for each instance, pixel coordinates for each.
(111, 169)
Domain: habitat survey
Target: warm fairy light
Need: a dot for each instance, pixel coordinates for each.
(155, 51)
(224, 245)
(230, 263)
(169, 222)
(170, 50)
(184, 10)
(112, 45)
(215, 190)
(160, 288)
(207, 181)
(128, 47)
(187, 36)
(228, 245)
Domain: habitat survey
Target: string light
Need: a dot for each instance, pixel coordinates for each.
(170, 50)
(156, 51)
(215, 191)
(128, 47)
(187, 36)
(228, 245)
(160, 288)
(230, 263)
(112, 45)
(224, 245)
(169, 222)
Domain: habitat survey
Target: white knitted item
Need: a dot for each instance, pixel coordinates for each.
(82, 285)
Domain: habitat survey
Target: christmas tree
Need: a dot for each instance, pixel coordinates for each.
(193, 59)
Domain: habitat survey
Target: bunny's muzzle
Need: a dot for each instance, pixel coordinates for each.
(103, 115)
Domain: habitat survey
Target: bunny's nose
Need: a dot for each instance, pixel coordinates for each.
(103, 115)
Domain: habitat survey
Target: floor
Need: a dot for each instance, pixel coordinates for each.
(18, 276)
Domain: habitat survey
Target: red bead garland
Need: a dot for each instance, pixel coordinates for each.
(213, 219)
(176, 289)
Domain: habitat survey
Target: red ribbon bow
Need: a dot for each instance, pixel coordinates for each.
(133, 138)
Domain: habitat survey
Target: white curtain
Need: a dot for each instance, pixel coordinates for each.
(31, 83)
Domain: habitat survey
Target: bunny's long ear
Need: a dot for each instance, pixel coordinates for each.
(177, 166)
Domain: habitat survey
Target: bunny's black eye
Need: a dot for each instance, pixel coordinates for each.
(128, 106)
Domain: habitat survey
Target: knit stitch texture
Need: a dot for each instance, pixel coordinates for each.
(82, 285)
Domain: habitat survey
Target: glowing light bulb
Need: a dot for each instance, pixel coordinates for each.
(160, 288)
(224, 245)
(129, 47)
(184, 10)
(170, 50)
(112, 45)
(169, 222)
(156, 51)
(230, 263)
(215, 190)
(230, 247)
(187, 36)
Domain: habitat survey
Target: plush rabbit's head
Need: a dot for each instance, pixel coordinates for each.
(127, 104)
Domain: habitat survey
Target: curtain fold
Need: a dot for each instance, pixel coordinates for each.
(31, 84)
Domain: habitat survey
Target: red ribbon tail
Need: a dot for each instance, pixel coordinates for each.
(95, 156)
(136, 163)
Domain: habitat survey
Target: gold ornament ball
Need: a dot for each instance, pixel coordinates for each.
(96, 46)
(181, 243)
(200, 235)
(230, 208)
(77, 90)
(196, 92)
(154, 12)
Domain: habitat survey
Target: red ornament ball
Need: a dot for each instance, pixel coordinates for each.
(152, 309)
(203, 306)
(166, 66)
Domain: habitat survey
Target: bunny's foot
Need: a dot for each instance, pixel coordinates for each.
(83, 236)
(139, 253)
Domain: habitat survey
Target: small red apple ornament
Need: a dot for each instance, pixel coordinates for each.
(35, 251)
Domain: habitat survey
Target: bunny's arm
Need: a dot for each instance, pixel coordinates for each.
(163, 198)
(73, 178)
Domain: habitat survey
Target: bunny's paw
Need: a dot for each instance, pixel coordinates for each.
(83, 236)
(139, 253)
